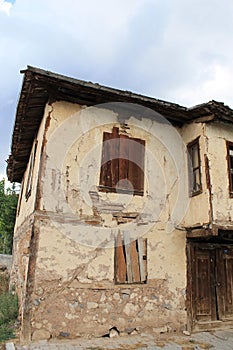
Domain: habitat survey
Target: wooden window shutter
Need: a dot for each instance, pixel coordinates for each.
(136, 164)
(122, 164)
(109, 163)
(120, 263)
(130, 260)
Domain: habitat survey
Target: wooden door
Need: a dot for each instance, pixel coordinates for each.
(204, 296)
(224, 282)
(211, 282)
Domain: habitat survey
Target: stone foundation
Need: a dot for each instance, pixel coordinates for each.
(76, 311)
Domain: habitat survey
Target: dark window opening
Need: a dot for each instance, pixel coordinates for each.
(230, 166)
(195, 167)
(122, 164)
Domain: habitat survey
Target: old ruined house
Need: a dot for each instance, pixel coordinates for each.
(112, 229)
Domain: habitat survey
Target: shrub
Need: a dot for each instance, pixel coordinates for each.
(8, 315)
(4, 282)
(6, 332)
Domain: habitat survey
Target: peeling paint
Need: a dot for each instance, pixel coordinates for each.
(70, 281)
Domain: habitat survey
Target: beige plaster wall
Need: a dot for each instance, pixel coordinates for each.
(66, 285)
(27, 206)
(75, 261)
(73, 161)
(72, 281)
(216, 135)
(71, 171)
(74, 290)
(198, 211)
(24, 229)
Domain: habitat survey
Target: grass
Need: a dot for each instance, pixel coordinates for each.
(8, 314)
(4, 282)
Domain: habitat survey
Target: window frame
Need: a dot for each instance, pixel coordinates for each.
(28, 188)
(229, 145)
(192, 170)
(120, 166)
(20, 198)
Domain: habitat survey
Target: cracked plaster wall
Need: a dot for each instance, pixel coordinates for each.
(72, 274)
(198, 210)
(216, 136)
(23, 228)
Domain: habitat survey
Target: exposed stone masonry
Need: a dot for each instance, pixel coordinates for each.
(95, 311)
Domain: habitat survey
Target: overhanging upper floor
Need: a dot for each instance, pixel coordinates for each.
(40, 87)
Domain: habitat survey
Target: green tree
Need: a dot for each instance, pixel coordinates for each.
(8, 205)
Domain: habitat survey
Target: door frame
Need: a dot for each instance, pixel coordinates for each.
(218, 279)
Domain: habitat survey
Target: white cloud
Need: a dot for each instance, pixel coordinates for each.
(7, 183)
(167, 49)
(5, 7)
(217, 85)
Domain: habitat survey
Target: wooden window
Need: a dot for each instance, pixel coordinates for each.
(230, 166)
(30, 172)
(195, 167)
(20, 197)
(130, 260)
(122, 165)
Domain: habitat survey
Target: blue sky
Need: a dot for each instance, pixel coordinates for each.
(177, 50)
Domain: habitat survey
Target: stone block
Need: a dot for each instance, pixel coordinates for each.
(40, 334)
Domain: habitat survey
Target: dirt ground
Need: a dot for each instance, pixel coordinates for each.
(215, 340)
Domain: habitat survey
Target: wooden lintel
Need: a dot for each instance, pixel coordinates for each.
(201, 232)
(225, 227)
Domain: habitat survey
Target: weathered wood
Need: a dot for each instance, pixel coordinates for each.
(228, 267)
(120, 263)
(104, 180)
(114, 145)
(31, 169)
(141, 254)
(124, 162)
(230, 166)
(209, 187)
(205, 309)
(135, 262)
(220, 283)
(136, 164)
(109, 173)
(212, 282)
(202, 232)
(128, 257)
(224, 282)
(194, 153)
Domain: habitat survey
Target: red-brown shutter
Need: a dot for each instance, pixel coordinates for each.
(136, 164)
(120, 261)
(130, 259)
(124, 162)
(109, 173)
(135, 262)
(122, 159)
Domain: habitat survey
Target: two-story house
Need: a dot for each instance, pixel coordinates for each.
(125, 214)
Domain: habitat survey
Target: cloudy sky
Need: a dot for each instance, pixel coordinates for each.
(176, 50)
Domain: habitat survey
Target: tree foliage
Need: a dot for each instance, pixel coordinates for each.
(8, 205)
